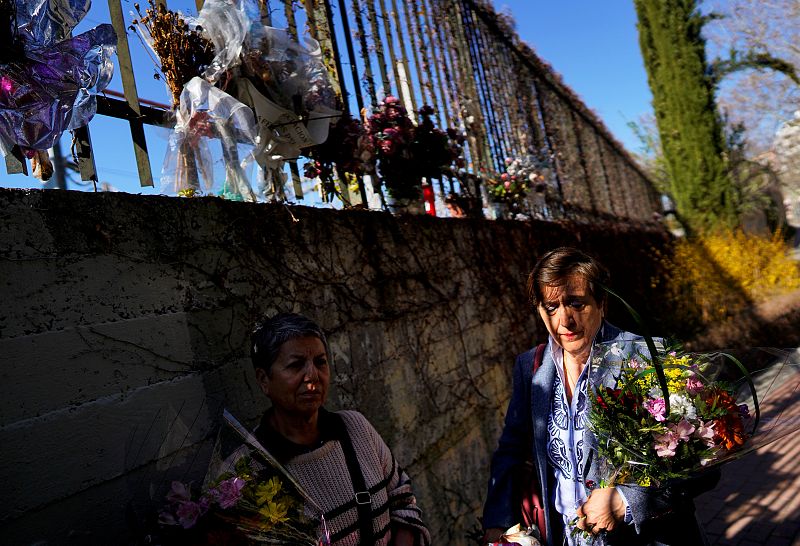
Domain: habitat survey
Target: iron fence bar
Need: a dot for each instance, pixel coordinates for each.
(413, 33)
(291, 20)
(494, 72)
(387, 30)
(362, 39)
(408, 90)
(480, 140)
(447, 70)
(345, 96)
(424, 54)
(484, 97)
(548, 138)
(351, 55)
(436, 58)
(583, 161)
(372, 16)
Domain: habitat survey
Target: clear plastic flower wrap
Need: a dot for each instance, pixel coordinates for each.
(248, 498)
(288, 87)
(48, 84)
(648, 435)
(226, 24)
(211, 147)
(289, 73)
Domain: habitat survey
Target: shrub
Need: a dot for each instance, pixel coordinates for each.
(721, 274)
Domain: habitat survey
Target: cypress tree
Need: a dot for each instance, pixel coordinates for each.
(689, 124)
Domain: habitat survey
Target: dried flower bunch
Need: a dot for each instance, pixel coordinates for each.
(184, 53)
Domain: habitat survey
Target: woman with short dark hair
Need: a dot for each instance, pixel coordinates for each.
(338, 457)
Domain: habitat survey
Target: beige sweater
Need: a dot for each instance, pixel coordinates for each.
(324, 475)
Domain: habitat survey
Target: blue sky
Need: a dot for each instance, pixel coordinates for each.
(592, 44)
(595, 47)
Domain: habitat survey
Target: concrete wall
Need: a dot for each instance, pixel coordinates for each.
(123, 335)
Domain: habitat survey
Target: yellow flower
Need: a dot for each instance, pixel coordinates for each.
(274, 512)
(265, 492)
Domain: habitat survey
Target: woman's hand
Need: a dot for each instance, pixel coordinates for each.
(492, 535)
(402, 536)
(602, 510)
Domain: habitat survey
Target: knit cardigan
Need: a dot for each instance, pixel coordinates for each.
(324, 474)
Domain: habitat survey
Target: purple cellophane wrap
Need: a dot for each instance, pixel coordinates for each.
(51, 87)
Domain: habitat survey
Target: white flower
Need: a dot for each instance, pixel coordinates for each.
(679, 404)
(615, 350)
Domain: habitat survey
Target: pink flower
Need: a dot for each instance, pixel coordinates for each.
(705, 431)
(179, 492)
(694, 385)
(229, 492)
(683, 430)
(504, 176)
(665, 444)
(657, 408)
(188, 512)
(391, 100)
(507, 184)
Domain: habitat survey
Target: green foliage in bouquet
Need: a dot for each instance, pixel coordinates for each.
(643, 441)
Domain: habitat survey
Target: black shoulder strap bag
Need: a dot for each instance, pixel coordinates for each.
(363, 497)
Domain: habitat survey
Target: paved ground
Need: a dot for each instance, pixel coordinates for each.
(757, 502)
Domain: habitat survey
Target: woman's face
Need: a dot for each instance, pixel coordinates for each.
(571, 315)
(298, 381)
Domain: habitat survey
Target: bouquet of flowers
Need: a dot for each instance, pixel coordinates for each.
(650, 431)
(248, 497)
(407, 152)
(346, 150)
(522, 174)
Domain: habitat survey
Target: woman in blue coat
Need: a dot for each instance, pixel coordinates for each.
(546, 423)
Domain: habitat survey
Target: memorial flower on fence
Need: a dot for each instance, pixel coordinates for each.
(347, 151)
(48, 78)
(406, 152)
(522, 175)
(183, 52)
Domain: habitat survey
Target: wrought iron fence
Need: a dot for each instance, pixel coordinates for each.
(462, 58)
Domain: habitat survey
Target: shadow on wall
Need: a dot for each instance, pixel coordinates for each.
(124, 334)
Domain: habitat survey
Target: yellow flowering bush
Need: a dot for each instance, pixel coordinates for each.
(720, 274)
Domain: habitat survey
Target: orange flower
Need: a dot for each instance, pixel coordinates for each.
(729, 431)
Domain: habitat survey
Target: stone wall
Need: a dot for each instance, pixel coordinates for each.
(123, 335)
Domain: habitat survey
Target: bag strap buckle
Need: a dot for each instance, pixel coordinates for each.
(363, 497)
